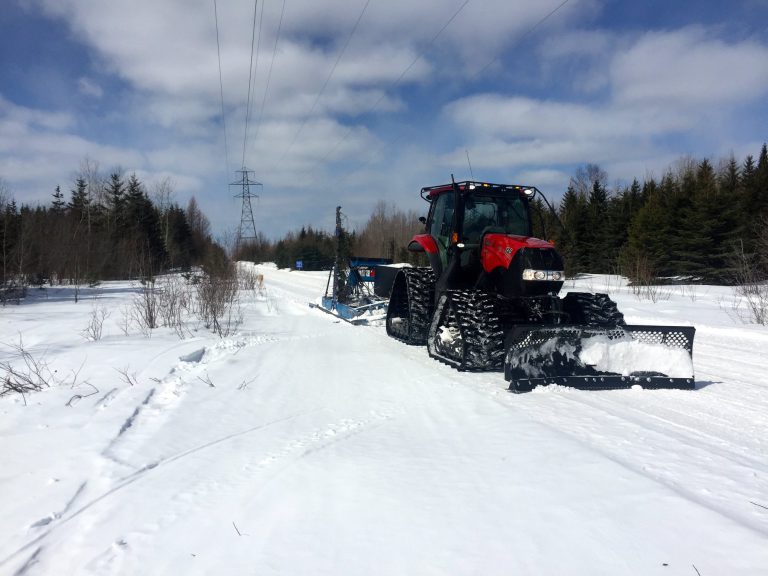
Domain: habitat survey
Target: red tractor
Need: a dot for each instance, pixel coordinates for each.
(489, 299)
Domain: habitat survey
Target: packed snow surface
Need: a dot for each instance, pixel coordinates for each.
(304, 445)
(625, 356)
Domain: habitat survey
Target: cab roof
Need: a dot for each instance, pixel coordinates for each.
(429, 193)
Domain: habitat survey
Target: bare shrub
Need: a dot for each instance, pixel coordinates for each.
(644, 284)
(145, 308)
(24, 373)
(175, 302)
(13, 290)
(129, 378)
(95, 325)
(77, 397)
(751, 285)
(125, 319)
(218, 300)
(249, 279)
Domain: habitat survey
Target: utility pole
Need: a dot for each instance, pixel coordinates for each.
(247, 229)
(337, 264)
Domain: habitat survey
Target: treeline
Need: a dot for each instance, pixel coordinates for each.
(698, 222)
(385, 235)
(105, 228)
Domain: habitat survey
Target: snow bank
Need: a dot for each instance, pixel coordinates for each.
(626, 355)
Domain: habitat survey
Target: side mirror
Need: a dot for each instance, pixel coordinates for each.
(422, 219)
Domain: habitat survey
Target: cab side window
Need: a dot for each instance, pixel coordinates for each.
(442, 219)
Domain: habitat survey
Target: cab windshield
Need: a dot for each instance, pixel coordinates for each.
(506, 214)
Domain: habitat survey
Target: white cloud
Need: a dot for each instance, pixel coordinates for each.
(489, 115)
(578, 43)
(690, 67)
(165, 55)
(88, 87)
(681, 84)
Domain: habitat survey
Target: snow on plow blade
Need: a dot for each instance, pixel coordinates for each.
(592, 358)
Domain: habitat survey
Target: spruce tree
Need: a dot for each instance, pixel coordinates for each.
(575, 218)
(622, 209)
(80, 202)
(597, 241)
(116, 202)
(691, 244)
(58, 205)
(761, 183)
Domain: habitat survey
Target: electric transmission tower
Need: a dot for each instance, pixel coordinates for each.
(247, 230)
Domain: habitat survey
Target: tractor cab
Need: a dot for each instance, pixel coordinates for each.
(460, 214)
(473, 231)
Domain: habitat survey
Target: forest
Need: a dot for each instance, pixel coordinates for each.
(105, 228)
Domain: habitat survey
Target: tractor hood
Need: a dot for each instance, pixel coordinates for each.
(498, 250)
(526, 266)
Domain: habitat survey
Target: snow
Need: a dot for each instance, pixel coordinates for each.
(625, 356)
(305, 445)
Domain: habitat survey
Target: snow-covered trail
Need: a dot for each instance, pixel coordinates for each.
(307, 445)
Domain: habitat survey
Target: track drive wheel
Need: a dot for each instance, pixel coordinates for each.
(410, 305)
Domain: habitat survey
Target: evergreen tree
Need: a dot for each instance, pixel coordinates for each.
(143, 235)
(761, 183)
(180, 245)
(597, 242)
(58, 205)
(719, 217)
(647, 252)
(116, 202)
(80, 202)
(621, 211)
(691, 242)
(575, 218)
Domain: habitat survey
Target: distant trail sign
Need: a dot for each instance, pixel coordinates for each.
(299, 264)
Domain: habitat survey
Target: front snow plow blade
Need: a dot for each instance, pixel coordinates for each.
(599, 358)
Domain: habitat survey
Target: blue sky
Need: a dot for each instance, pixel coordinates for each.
(134, 84)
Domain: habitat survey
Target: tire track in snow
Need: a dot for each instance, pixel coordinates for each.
(137, 476)
(556, 412)
(693, 436)
(153, 409)
(322, 438)
(260, 471)
(164, 394)
(583, 433)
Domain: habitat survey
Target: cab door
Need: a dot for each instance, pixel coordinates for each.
(441, 224)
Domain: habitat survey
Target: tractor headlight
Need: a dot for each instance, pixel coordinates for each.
(542, 275)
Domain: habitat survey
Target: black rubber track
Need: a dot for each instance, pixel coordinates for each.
(592, 309)
(411, 304)
(466, 331)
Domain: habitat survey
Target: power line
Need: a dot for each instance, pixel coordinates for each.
(399, 78)
(269, 75)
(523, 37)
(328, 79)
(221, 88)
(250, 70)
(472, 78)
